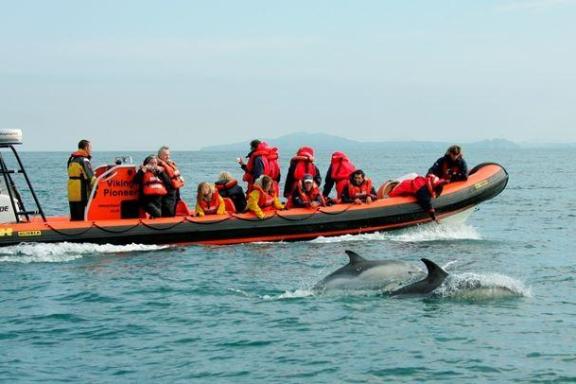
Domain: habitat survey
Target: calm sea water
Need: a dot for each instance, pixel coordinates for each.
(246, 313)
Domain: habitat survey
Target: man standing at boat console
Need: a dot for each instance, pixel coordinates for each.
(80, 179)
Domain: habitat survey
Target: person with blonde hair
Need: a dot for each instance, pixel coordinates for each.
(263, 197)
(228, 188)
(208, 201)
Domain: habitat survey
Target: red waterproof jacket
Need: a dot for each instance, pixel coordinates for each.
(341, 167)
(409, 187)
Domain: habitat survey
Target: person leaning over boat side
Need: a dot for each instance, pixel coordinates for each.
(151, 187)
(451, 166)
(263, 197)
(306, 194)
(262, 160)
(338, 173)
(209, 201)
(423, 188)
(228, 187)
(301, 164)
(173, 181)
(81, 179)
(359, 189)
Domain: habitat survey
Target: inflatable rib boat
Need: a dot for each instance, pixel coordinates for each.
(112, 212)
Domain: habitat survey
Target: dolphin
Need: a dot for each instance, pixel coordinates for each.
(392, 276)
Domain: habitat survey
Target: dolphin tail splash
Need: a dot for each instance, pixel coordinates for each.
(436, 276)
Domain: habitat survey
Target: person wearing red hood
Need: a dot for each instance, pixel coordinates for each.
(338, 173)
(300, 165)
(423, 188)
(81, 179)
(262, 160)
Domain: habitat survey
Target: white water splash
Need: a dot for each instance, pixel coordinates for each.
(63, 252)
(296, 294)
(435, 232)
(449, 264)
(475, 286)
(421, 233)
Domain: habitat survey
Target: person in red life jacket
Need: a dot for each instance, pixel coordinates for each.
(338, 174)
(81, 179)
(263, 197)
(451, 166)
(173, 181)
(423, 188)
(151, 186)
(300, 165)
(359, 189)
(262, 160)
(209, 201)
(306, 194)
(228, 187)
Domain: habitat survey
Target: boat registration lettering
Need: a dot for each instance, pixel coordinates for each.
(6, 232)
(481, 184)
(29, 233)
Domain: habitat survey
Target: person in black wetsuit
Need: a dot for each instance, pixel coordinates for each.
(452, 166)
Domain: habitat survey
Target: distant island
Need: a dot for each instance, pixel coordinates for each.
(326, 142)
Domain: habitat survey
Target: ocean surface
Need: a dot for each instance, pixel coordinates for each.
(86, 313)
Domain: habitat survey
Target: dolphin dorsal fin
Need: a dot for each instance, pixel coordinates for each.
(436, 276)
(354, 257)
(434, 270)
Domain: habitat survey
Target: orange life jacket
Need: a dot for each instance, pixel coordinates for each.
(361, 191)
(210, 207)
(306, 198)
(269, 156)
(226, 186)
(173, 173)
(266, 200)
(152, 185)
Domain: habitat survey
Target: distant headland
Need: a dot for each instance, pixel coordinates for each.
(321, 141)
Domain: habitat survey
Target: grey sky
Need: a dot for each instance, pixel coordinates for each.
(137, 74)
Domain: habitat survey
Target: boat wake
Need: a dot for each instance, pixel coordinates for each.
(63, 252)
(421, 233)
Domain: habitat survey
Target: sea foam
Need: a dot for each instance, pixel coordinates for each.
(421, 233)
(63, 252)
